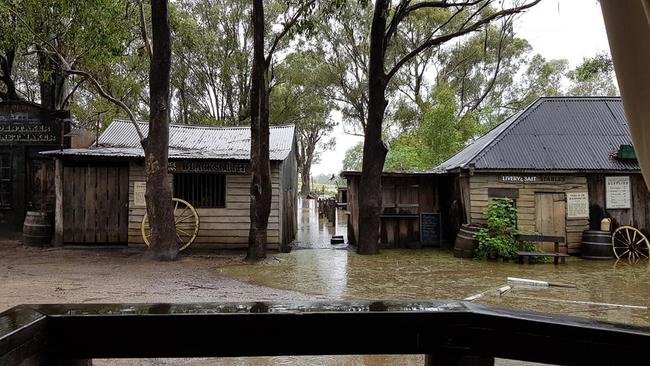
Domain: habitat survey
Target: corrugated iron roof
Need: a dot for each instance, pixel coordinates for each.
(187, 142)
(558, 133)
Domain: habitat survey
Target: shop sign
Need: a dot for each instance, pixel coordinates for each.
(577, 205)
(139, 189)
(199, 166)
(535, 179)
(15, 130)
(617, 192)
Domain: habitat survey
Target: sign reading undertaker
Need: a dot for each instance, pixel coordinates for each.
(23, 124)
(209, 166)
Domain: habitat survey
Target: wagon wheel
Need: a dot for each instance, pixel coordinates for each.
(186, 221)
(631, 243)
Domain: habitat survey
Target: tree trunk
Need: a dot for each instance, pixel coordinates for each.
(159, 194)
(6, 67)
(305, 175)
(260, 166)
(374, 149)
(53, 83)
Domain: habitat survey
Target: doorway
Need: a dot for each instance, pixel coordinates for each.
(550, 217)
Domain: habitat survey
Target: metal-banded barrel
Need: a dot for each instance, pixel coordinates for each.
(37, 228)
(597, 244)
(465, 242)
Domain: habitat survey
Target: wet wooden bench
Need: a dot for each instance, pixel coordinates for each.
(524, 257)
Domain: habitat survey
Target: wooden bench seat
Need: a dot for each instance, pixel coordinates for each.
(558, 257)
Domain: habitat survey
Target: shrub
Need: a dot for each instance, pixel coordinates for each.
(498, 238)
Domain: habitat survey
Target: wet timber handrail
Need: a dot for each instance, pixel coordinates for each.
(37, 335)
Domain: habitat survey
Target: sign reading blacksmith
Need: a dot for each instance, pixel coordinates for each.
(209, 166)
(22, 123)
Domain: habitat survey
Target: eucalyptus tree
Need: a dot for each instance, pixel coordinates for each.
(212, 60)
(386, 22)
(290, 18)
(300, 96)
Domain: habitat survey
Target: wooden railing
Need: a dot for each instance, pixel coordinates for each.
(449, 333)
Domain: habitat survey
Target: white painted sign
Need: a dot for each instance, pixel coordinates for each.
(139, 188)
(577, 204)
(617, 192)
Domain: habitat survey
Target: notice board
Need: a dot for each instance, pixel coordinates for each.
(430, 229)
(617, 192)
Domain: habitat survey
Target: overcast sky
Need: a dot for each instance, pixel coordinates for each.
(571, 29)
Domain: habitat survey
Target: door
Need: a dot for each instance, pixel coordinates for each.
(95, 204)
(550, 217)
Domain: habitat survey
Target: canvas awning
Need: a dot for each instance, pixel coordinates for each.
(628, 30)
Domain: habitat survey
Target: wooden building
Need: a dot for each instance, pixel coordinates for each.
(100, 190)
(566, 162)
(411, 209)
(27, 179)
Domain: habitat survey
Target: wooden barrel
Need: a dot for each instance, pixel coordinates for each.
(37, 229)
(465, 241)
(597, 244)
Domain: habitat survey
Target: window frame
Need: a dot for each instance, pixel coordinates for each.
(8, 182)
(199, 205)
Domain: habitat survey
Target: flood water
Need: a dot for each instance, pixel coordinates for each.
(336, 272)
(426, 274)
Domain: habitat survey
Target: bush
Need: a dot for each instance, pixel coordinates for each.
(498, 238)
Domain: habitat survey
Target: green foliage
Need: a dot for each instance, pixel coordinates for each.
(353, 157)
(595, 76)
(498, 238)
(440, 134)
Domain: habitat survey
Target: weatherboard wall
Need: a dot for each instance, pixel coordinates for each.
(220, 227)
(482, 184)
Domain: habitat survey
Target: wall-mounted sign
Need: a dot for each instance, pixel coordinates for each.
(26, 123)
(617, 192)
(544, 179)
(200, 166)
(16, 130)
(139, 189)
(577, 205)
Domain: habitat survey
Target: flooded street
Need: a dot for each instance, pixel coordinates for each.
(436, 274)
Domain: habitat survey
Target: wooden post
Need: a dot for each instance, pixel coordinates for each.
(58, 203)
(446, 359)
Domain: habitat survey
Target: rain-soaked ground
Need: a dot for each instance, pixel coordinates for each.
(315, 270)
(435, 274)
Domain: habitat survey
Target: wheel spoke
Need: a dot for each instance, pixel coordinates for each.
(627, 232)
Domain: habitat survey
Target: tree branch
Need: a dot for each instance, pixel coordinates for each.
(465, 30)
(287, 27)
(143, 29)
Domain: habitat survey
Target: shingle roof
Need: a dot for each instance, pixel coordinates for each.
(559, 133)
(187, 142)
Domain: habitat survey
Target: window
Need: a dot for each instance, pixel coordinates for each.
(201, 190)
(5, 181)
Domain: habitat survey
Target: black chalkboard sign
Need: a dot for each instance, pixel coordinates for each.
(430, 229)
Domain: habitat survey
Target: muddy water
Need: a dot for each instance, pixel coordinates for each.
(435, 274)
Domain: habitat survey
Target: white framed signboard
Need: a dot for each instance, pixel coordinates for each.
(139, 188)
(577, 204)
(617, 192)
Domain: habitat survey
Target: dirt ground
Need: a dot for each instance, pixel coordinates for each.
(54, 275)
